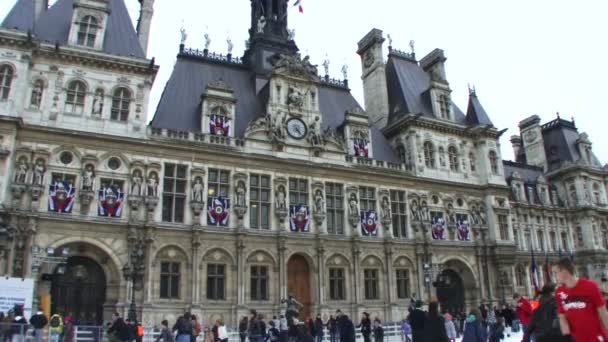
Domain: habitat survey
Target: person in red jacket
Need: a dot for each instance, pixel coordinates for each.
(524, 311)
(580, 305)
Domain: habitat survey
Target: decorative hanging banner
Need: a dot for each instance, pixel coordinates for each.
(61, 197)
(438, 227)
(299, 218)
(369, 223)
(110, 201)
(218, 211)
(463, 228)
(361, 147)
(219, 125)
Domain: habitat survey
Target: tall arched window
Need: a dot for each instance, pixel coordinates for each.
(473, 161)
(74, 102)
(444, 106)
(429, 155)
(6, 79)
(121, 101)
(596, 194)
(520, 275)
(87, 31)
(36, 98)
(493, 162)
(453, 157)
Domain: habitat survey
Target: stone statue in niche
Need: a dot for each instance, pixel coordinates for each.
(319, 202)
(280, 199)
(276, 130)
(482, 215)
(261, 24)
(314, 134)
(197, 190)
(415, 209)
(21, 170)
(36, 99)
(451, 214)
(385, 207)
(353, 205)
(39, 170)
(515, 189)
(152, 187)
(136, 183)
(88, 176)
(424, 211)
(240, 194)
(98, 102)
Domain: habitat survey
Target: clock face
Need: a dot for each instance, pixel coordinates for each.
(296, 128)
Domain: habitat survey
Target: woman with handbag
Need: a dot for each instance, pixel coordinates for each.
(545, 323)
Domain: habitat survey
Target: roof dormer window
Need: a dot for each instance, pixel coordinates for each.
(87, 31)
(444, 107)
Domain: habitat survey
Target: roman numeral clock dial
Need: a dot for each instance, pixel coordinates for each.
(296, 128)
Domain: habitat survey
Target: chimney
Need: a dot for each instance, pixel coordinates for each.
(434, 64)
(516, 143)
(40, 6)
(375, 90)
(144, 23)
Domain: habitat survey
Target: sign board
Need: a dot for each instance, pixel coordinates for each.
(16, 291)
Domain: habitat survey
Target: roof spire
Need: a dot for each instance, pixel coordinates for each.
(472, 91)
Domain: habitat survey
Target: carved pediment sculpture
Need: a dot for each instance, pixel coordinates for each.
(295, 66)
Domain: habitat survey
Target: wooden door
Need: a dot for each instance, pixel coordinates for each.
(298, 283)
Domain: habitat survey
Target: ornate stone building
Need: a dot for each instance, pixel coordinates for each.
(257, 177)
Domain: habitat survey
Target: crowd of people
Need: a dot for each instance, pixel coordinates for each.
(576, 311)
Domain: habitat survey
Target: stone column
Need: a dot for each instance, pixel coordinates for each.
(321, 273)
(282, 267)
(390, 284)
(420, 275)
(480, 273)
(196, 246)
(355, 275)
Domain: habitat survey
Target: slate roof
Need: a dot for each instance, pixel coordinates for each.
(560, 138)
(179, 106)
(54, 26)
(529, 175)
(408, 86)
(475, 112)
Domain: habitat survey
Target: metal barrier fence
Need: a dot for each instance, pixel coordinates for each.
(13, 332)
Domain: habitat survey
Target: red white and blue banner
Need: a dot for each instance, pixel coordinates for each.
(369, 223)
(110, 201)
(438, 226)
(361, 147)
(299, 218)
(463, 228)
(61, 197)
(219, 125)
(218, 211)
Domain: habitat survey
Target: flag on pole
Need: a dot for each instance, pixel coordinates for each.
(534, 273)
(548, 277)
(299, 4)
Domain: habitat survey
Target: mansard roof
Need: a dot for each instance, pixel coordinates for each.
(560, 137)
(179, 106)
(55, 23)
(408, 86)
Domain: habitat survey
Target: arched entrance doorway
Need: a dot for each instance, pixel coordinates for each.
(450, 291)
(80, 291)
(298, 283)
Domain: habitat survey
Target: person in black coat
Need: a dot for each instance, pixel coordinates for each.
(119, 328)
(416, 319)
(366, 327)
(545, 324)
(434, 325)
(347, 329)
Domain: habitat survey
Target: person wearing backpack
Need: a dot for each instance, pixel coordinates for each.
(545, 322)
(183, 326)
(273, 333)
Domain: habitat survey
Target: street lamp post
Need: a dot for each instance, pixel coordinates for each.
(134, 273)
(431, 271)
(49, 256)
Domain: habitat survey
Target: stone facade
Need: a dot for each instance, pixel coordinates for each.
(220, 222)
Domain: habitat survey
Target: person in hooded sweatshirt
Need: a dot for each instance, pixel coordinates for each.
(434, 325)
(545, 323)
(450, 327)
(473, 329)
(416, 319)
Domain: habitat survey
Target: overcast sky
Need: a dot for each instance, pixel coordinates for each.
(524, 57)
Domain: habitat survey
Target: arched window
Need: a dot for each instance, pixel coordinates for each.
(493, 162)
(74, 102)
(121, 101)
(473, 161)
(553, 241)
(6, 79)
(520, 275)
(541, 240)
(36, 98)
(604, 236)
(565, 241)
(429, 155)
(453, 157)
(402, 154)
(87, 31)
